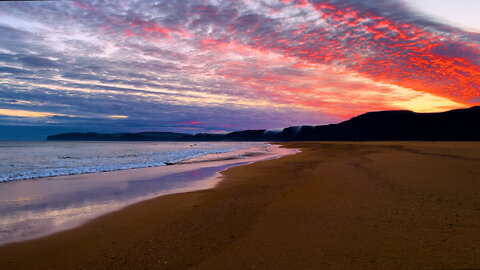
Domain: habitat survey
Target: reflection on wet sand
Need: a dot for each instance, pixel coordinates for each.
(33, 208)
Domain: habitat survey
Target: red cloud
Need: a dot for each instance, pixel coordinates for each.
(389, 51)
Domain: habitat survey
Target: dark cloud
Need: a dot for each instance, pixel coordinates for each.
(8, 58)
(13, 70)
(80, 76)
(38, 62)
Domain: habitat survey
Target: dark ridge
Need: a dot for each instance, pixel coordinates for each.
(142, 136)
(454, 125)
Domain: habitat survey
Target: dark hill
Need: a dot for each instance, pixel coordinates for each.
(455, 125)
(142, 136)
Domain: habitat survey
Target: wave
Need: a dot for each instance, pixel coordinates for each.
(67, 165)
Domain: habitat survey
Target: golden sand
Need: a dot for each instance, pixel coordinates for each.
(390, 205)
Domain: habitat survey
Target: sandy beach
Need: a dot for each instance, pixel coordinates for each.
(335, 205)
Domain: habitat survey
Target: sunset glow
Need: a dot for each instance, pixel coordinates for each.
(203, 66)
(22, 113)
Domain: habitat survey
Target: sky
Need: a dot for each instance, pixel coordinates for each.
(220, 66)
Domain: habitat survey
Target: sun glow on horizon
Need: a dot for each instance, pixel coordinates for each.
(118, 116)
(24, 113)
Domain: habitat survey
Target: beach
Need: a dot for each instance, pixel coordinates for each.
(334, 205)
(31, 208)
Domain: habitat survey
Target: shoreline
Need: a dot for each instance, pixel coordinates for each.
(334, 205)
(195, 158)
(68, 201)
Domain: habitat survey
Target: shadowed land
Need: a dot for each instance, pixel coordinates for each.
(454, 125)
(334, 205)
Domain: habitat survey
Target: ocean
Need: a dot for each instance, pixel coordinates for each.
(50, 186)
(21, 160)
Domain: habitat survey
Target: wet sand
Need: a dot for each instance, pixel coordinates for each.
(392, 205)
(33, 208)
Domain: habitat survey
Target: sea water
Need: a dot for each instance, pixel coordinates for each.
(26, 160)
(48, 187)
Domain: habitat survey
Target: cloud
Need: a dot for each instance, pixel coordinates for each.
(13, 70)
(23, 113)
(38, 62)
(244, 64)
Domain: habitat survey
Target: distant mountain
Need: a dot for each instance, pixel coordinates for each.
(142, 136)
(454, 125)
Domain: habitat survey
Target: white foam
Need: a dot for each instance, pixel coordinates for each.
(75, 158)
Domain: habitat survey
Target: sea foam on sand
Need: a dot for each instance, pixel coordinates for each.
(32, 208)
